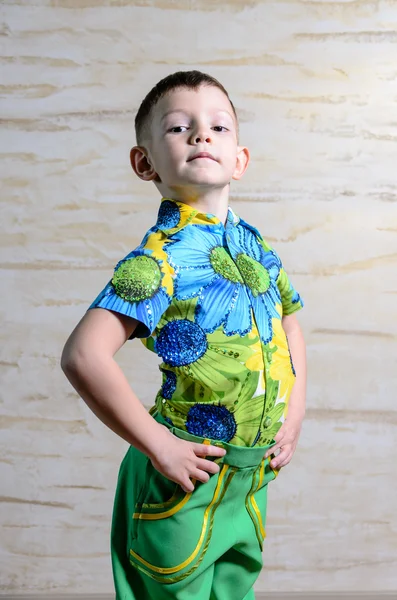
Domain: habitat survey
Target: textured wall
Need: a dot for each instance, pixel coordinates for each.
(315, 84)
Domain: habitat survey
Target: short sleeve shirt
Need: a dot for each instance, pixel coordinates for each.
(209, 298)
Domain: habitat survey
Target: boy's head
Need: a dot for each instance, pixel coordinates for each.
(187, 114)
(190, 80)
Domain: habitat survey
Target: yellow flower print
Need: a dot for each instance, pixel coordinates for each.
(255, 361)
(280, 365)
(155, 242)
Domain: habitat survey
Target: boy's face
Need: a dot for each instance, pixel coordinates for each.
(186, 123)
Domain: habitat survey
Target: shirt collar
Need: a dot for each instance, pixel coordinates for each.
(174, 216)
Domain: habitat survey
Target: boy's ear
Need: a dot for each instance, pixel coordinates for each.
(141, 164)
(242, 160)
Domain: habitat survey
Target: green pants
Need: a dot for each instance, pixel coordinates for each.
(203, 545)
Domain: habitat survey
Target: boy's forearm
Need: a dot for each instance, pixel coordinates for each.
(297, 401)
(104, 388)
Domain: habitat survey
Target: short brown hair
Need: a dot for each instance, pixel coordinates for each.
(181, 79)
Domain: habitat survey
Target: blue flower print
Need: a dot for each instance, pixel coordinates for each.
(227, 284)
(169, 215)
(169, 384)
(211, 421)
(295, 296)
(204, 268)
(260, 270)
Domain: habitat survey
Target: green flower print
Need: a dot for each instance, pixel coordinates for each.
(211, 375)
(273, 412)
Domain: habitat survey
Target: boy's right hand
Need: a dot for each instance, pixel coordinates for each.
(181, 461)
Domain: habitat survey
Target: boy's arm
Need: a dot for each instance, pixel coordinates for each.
(288, 435)
(297, 401)
(88, 363)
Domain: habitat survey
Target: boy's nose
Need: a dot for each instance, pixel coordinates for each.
(202, 138)
(201, 135)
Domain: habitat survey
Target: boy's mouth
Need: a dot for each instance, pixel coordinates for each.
(201, 155)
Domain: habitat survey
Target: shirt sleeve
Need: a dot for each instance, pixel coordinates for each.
(291, 301)
(141, 288)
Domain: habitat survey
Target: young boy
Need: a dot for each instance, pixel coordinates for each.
(206, 293)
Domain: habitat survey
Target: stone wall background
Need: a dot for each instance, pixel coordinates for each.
(315, 85)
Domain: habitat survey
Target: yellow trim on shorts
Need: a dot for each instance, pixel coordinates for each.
(254, 504)
(185, 563)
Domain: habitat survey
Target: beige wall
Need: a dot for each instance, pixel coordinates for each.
(315, 84)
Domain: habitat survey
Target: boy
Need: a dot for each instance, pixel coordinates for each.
(206, 293)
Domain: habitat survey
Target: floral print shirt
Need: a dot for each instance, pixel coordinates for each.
(209, 299)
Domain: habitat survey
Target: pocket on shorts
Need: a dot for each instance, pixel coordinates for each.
(174, 527)
(159, 498)
(256, 499)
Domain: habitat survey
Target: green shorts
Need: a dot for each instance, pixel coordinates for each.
(203, 545)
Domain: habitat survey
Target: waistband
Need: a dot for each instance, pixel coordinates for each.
(236, 456)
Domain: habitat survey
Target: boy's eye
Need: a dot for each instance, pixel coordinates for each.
(178, 128)
(183, 128)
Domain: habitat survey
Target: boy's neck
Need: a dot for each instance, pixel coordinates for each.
(215, 202)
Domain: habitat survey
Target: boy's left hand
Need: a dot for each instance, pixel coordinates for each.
(286, 441)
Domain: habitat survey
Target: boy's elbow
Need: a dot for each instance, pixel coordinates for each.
(73, 359)
(79, 358)
(69, 361)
